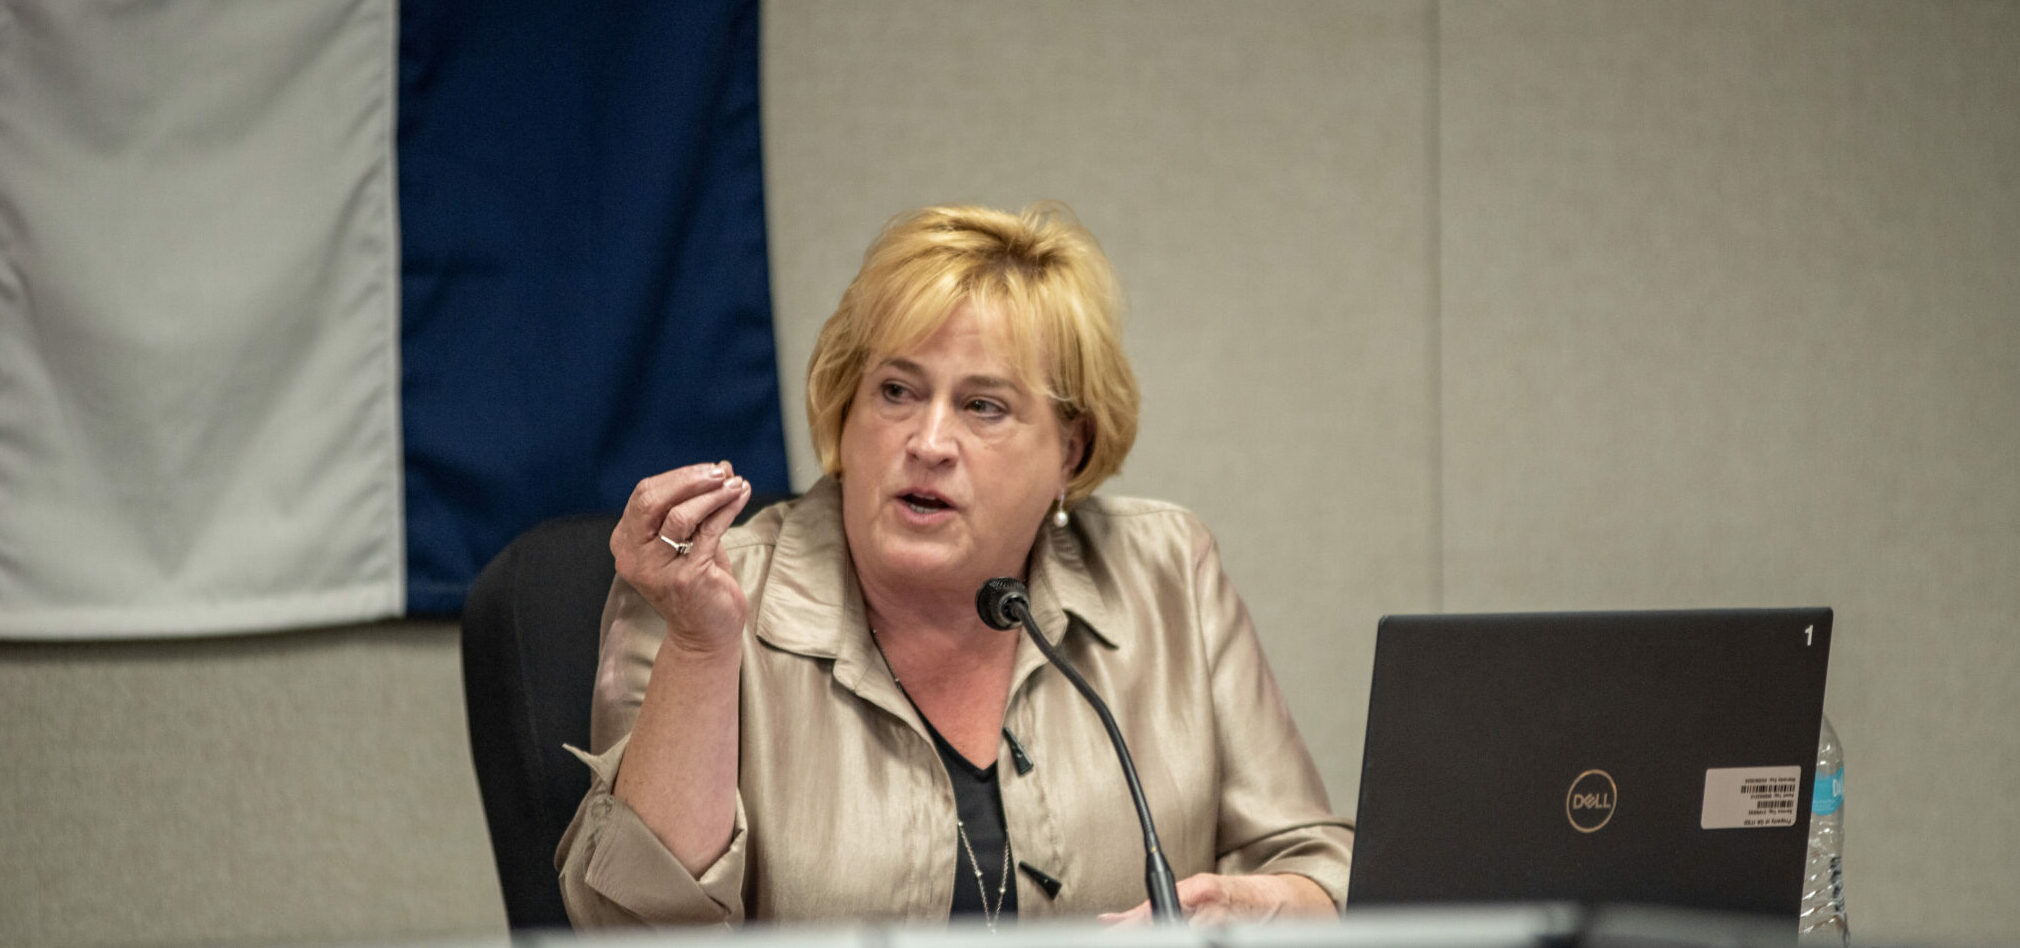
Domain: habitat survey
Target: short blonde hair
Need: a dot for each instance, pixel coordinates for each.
(1054, 286)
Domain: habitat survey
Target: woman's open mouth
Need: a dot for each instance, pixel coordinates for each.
(924, 503)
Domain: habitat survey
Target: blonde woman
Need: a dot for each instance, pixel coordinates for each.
(804, 718)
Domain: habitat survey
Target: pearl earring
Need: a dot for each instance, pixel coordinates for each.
(1059, 518)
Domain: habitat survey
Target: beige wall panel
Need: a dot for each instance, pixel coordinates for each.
(1732, 317)
(270, 789)
(1260, 177)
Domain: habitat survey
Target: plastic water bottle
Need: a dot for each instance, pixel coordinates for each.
(1823, 917)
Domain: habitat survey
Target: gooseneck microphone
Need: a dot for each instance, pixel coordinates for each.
(1003, 603)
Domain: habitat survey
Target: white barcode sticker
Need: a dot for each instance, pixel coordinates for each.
(1746, 797)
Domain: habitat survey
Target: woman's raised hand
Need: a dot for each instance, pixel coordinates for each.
(680, 772)
(668, 546)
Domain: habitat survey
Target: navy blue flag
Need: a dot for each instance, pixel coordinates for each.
(585, 297)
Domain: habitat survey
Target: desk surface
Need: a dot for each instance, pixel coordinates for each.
(1517, 926)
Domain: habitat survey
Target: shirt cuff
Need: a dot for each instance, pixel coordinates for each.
(1320, 852)
(620, 861)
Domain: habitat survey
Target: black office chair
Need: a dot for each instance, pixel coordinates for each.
(530, 628)
(529, 660)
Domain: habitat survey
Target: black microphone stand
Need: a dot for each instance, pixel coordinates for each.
(1006, 599)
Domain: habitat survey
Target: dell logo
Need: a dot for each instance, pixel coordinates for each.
(1589, 802)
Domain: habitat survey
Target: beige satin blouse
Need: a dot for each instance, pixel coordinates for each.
(845, 811)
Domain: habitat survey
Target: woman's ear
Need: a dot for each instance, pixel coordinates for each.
(1079, 435)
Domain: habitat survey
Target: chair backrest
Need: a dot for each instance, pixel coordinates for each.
(530, 629)
(530, 635)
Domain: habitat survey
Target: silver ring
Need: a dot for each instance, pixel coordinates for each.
(680, 547)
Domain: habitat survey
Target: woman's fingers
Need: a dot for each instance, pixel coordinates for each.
(721, 506)
(656, 496)
(1140, 915)
(1200, 899)
(1211, 899)
(702, 519)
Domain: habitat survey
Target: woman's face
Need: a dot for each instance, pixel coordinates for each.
(949, 463)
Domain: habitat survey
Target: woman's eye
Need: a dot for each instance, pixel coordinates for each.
(892, 391)
(986, 408)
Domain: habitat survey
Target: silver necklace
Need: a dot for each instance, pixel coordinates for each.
(989, 915)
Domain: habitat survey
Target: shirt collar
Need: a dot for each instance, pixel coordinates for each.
(1062, 586)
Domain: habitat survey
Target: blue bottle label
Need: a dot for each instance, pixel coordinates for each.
(1829, 794)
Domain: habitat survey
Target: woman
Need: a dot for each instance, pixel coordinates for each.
(804, 717)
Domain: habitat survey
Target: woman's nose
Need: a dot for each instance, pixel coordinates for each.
(933, 439)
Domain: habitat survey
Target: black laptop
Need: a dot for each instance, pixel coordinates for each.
(1626, 757)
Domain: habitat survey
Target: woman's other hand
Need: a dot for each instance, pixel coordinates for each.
(1211, 899)
(688, 509)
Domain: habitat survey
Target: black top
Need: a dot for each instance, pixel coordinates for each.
(979, 804)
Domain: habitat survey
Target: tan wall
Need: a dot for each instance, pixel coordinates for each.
(1436, 305)
(312, 786)
(1731, 314)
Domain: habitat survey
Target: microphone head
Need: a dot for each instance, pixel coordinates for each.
(994, 600)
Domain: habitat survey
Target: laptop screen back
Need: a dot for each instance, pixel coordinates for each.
(1644, 757)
